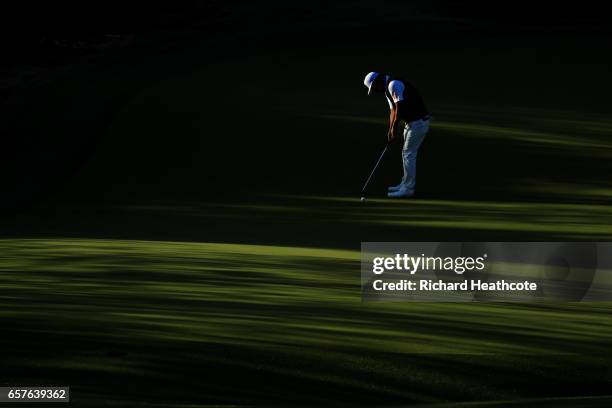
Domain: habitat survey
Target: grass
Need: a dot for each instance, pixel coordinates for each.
(207, 252)
(154, 312)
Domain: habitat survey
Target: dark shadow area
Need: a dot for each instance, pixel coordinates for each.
(180, 220)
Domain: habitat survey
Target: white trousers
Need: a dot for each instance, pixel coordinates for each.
(414, 133)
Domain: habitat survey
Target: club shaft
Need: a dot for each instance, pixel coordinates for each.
(374, 169)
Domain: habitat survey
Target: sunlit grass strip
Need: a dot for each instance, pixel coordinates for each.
(559, 220)
(264, 297)
(594, 145)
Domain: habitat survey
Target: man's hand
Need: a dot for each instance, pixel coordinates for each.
(390, 135)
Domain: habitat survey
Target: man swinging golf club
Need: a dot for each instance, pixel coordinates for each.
(406, 106)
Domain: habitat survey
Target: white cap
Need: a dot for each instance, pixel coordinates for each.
(369, 80)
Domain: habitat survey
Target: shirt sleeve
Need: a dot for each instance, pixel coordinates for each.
(396, 89)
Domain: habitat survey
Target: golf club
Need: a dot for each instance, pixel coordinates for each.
(365, 186)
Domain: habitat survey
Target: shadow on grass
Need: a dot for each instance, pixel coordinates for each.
(244, 324)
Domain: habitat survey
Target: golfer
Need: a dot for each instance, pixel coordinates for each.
(406, 106)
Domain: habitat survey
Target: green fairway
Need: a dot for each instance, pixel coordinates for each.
(149, 311)
(193, 225)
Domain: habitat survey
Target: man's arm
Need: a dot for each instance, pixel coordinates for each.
(392, 123)
(396, 91)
